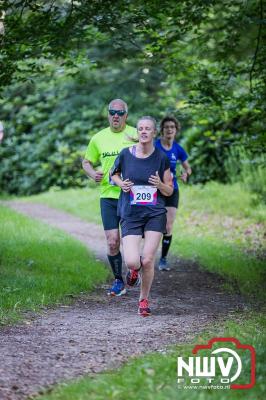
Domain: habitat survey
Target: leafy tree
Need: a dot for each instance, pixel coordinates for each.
(49, 122)
(203, 61)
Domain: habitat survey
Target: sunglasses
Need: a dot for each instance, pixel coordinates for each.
(120, 113)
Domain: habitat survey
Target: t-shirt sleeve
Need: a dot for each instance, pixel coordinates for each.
(92, 153)
(182, 155)
(117, 166)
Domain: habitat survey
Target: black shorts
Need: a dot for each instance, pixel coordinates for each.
(138, 227)
(109, 215)
(173, 200)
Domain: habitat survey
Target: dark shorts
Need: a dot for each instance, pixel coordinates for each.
(109, 213)
(173, 200)
(138, 227)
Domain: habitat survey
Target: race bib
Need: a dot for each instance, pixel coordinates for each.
(143, 195)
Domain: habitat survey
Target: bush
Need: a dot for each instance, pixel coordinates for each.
(250, 169)
(48, 124)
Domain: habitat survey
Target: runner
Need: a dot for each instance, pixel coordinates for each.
(169, 128)
(143, 174)
(104, 148)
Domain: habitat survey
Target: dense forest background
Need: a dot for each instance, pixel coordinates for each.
(62, 62)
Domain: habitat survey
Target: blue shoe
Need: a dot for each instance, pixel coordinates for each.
(163, 265)
(118, 288)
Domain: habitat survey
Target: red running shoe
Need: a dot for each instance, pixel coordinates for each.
(144, 309)
(133, 278)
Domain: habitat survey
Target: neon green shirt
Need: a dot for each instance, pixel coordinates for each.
(104, 147)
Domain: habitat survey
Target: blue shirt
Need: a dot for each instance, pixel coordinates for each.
(174, 155)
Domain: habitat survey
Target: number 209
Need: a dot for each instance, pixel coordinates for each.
(143, 196)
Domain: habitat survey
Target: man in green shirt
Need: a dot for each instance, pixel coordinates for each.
(103, 148)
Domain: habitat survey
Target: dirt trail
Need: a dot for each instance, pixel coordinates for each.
(97, 333)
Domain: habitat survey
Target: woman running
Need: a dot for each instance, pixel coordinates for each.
(169, 128)
(143, 174)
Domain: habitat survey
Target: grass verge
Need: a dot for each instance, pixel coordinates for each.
(153, 377)
(40, 266)
(213, 198)
(228, 260)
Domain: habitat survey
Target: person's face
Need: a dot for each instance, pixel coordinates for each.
(117, 122)
(146, 131)
(169, 130)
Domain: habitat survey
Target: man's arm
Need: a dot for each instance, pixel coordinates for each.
(97, 176)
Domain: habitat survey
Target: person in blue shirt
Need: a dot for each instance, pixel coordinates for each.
(169, 129)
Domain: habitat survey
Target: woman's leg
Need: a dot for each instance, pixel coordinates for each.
(151, 244)
(171, 214)
(167, 237)
(131, 250)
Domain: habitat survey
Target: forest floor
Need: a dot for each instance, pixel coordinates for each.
(96, 332)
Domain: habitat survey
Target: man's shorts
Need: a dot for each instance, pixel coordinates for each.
(138, 227)
(173, 200)
(109, 215)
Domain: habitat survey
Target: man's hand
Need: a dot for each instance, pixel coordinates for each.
(126, 185)
(98, 176)
(155, 180)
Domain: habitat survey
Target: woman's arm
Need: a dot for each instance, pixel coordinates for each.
(165, 186)
(188, 171)
(124, 185)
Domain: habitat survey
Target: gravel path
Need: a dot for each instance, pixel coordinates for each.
(96, 332)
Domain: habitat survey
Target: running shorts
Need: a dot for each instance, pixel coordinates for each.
(138, 227)
(173, 200)
(109, 215)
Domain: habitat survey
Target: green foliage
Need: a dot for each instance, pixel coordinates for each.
(203, 61)
(215, 129)
(40, 266)
(49, 123)
(250, 169)
(44, 145)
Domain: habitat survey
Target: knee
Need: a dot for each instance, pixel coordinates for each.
(132, 262)
(147, 261)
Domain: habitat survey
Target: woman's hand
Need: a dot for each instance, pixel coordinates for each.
(126, 185)
(184, 176)
(155, 180)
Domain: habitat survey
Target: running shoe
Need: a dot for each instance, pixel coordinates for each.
(144, 309)
(118, 288)
(163, 265)
(133, 277)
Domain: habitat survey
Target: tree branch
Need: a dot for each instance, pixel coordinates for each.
(257, 48)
